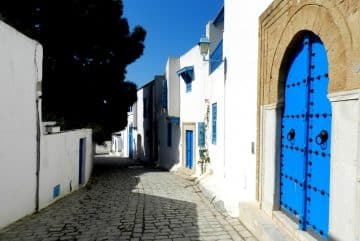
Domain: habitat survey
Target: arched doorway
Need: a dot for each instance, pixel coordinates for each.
(306, 136)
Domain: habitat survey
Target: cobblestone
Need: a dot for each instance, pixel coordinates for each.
(133, 204)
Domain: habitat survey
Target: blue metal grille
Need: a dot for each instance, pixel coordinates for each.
(214, 117)
(306, 132)
(201, 134)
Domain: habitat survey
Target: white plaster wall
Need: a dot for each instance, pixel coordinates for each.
(192, 104)
(140, 147)
(20, 70)
(241, 52)
(216, 95)
(169, 157)
(125, 134)
(60, 163)
(345, 164)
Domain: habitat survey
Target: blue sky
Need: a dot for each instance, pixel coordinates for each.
(173, 27)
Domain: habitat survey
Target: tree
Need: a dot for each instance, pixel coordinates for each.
(87, 46)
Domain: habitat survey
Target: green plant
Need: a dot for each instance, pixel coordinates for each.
(204, 156)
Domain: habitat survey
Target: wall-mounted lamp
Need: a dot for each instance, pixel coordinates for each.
(204, 44)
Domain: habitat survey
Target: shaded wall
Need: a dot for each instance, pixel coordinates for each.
(20, 71)
(60, 154)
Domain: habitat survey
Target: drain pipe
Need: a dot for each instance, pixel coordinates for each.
(38, 143)
(38, 78)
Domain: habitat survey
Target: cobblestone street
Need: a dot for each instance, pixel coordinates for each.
(128, 202)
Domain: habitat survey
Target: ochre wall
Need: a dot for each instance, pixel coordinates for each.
(336, 22)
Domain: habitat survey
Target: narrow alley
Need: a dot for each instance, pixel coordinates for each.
(126, 201)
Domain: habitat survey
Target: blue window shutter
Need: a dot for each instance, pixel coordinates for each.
(201, 134)
(169, 135)
(214, 116)
(216, 57)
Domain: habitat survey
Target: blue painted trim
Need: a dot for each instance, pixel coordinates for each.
(185, 69)
(174, 120)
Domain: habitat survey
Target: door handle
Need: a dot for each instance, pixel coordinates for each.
(322, 137)
(291, 135)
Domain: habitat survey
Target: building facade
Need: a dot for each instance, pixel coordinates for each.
(308, 118)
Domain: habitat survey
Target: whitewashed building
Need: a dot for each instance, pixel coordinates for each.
(147, 127)
(20, 75)
(36, 167)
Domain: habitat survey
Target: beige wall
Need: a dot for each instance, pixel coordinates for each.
(335, 22)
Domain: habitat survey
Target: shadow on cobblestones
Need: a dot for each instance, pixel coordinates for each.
(115, 206)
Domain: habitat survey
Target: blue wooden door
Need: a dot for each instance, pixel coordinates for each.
(131, 147)
(189, 149)
(305, 136)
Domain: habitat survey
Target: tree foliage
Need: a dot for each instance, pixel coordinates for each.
(87, 46)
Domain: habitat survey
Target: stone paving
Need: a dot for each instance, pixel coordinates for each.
(130, 202)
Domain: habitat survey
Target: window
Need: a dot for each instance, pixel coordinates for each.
(216, 57)
(145, 108)
(201, 134)
(187, 74)
(169, 135)
(188, 87)
(164, 94)
(214, 116)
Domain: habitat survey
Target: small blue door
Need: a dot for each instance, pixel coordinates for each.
(306, 138)
(189, 149)
(131, 147)
(81, 161)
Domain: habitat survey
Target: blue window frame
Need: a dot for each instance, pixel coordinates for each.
(201, 134)
(214, 116)
(216, 57)
(187, 74)
(169, 134)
